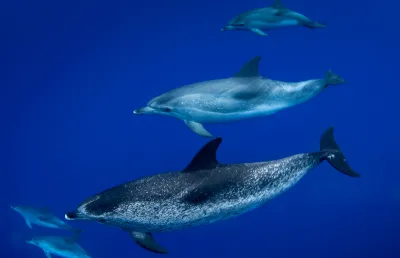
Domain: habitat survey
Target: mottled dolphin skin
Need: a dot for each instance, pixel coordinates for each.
(245, 95)
(205, 191)
(60, 246)
(42, 217)
(271, 17)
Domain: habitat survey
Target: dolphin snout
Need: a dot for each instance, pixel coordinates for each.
(71, 215)
(143, 110)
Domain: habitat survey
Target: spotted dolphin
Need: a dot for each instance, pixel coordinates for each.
(42, 217)
(61, 246)
(245, 95)
(274, 16)
(205, 191)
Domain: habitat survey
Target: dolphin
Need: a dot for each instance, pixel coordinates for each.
(204, 192)
(61, 246)
(271, 17)
(42, 217)
(245, 95)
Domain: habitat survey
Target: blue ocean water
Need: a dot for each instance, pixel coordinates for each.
(73, 72)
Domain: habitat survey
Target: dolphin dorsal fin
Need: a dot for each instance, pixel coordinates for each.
(206, 158)
(278, 4)
(250, 69)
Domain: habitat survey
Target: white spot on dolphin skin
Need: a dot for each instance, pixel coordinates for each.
(331, 156)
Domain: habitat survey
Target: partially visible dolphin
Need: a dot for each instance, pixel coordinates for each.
(245, 95)
(271, 17)
(61, 246)
(42, 217)
(205, 191)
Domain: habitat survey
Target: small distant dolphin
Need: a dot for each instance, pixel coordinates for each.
(274, 16)
(61, 246)
(245, 95)
(205, 191)
(42, 217)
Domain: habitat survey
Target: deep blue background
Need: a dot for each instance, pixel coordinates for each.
(72, 72)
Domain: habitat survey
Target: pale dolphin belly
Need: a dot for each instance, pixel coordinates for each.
(283, 23)
(264, 25)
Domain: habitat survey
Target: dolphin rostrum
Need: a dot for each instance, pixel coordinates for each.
(271, 17)
(205, 191)
(245, 95)
(61, 246)
(42, 217)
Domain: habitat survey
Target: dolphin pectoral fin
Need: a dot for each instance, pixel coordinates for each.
(198, 129)
(48, 255)
(259, 32)
(146, 241)
(28, 223)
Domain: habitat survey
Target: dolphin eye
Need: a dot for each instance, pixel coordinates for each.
(166, 109)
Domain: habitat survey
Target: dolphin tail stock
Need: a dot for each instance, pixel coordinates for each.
(332, 153)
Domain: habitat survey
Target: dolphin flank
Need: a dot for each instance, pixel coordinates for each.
(61, 246)
(42, 217)
(274, 16)
(245, 95)
(204, 192)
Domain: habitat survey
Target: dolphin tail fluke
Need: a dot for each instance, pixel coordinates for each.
(334, 155)
(198, 129)
(332, 79)
(146, 241)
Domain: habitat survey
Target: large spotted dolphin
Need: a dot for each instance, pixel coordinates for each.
(245, 95)
(205, 191)
(271, 17)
